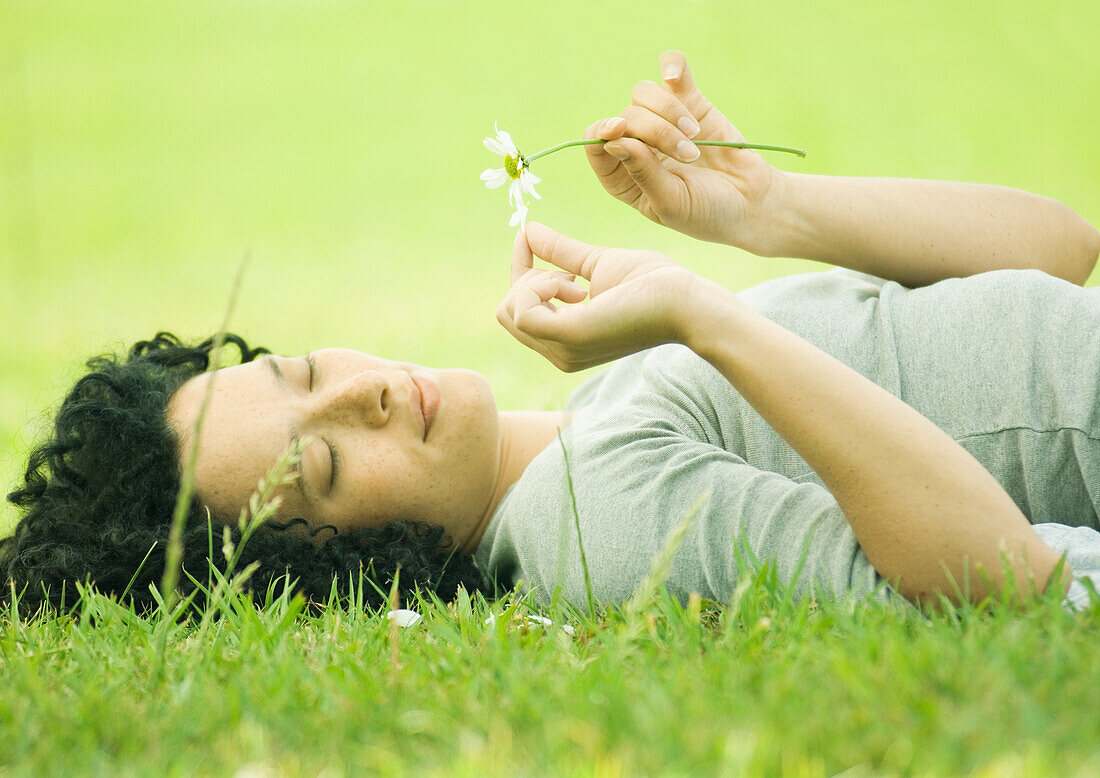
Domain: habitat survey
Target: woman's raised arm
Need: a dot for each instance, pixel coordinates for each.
(918, 232)
(911, 231)
(926, 513)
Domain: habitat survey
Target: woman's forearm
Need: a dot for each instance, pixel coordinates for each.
(923, 509)
(918, 232)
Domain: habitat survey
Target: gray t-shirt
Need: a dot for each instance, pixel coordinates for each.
(1005, 362)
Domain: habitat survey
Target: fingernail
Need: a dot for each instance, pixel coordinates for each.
(614, 124)
(671, 71)
(687, 126)
(618, 152)
(687, 151)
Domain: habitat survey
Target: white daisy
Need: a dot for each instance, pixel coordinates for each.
(515, 168)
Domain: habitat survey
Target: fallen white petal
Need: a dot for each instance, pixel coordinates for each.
(403, 617)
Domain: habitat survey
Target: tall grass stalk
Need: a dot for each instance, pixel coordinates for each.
(221, 588)
(174, 552)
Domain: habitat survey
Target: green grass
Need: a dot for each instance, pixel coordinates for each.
(762, 687)
(146, 146)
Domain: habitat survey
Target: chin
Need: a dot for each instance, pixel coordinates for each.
(475, 389)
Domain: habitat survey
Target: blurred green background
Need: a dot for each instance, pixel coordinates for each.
(147, 146)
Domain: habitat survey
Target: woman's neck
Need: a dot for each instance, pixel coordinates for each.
(523, 434)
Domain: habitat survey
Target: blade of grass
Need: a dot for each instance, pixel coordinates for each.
(658, 571)
(174, 553)
(577, 521)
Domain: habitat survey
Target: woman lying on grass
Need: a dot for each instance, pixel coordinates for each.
(905, 420)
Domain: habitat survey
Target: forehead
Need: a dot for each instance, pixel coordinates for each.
(245, 429)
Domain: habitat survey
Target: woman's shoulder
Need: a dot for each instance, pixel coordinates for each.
(834, 284)
(1029, 294)
(839, 287)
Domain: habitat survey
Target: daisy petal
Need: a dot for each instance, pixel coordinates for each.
(506, 141)
(515, 193)
(494, 146)
(528, 184)
(494, 177)
(519, 217)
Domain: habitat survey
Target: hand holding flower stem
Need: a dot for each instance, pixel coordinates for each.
(518, 167)
(648, 157)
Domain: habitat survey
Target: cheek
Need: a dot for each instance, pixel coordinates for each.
(477, 436)
(476, 449)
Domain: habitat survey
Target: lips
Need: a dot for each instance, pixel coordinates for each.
(427, 401)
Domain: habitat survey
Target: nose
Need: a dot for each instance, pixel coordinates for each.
(365, 396)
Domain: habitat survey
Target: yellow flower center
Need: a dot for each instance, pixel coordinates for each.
(511, 165)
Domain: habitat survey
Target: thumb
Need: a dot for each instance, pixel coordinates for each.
(653, 178)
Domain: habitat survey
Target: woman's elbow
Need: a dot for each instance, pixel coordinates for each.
(1083, 252)
(1034, 569)
(1091, 250)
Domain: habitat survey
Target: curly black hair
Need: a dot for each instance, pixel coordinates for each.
(99, 494)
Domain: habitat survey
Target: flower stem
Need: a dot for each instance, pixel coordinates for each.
(731, 144)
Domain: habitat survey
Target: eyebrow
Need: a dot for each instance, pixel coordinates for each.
(277, 371)
(292, 431)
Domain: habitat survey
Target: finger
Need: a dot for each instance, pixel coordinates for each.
(551, 285)
(601, 163)
(504, 316)
(650, 175)
(612, 176)
(530, 303)
(522, 259)
(659, 129)
(538, 287)
(677, 75)
(570, 255)
(542, 321)
(680, 81)
(663, 103)
(610, 128)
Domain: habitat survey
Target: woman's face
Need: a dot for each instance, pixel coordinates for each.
(389, 440)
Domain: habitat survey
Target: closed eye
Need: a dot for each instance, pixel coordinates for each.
(335, 467)
(334, 455)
